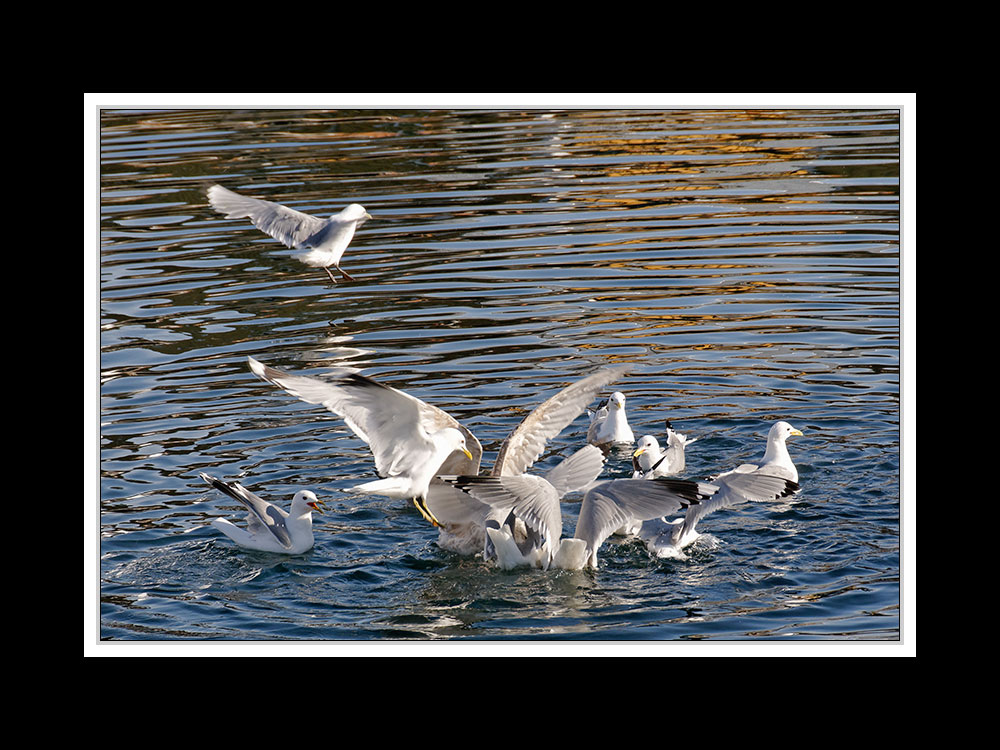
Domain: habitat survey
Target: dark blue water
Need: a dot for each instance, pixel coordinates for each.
(747, 263)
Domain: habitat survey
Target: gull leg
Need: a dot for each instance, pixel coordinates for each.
(329, 274)
(345, 274)
(425, 512)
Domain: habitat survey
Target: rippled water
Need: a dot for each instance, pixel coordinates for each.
(746, 262)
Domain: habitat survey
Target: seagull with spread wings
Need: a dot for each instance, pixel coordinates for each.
(411, 440)
(325, 240)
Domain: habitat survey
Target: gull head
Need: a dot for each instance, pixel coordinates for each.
(780, 431)
(354, 212)
(646, 443)
(307, 498)
(455, 440)
(617, 400)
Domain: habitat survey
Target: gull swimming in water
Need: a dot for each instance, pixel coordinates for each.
(269, 528)
(609, 424)
(463, 523)
(776, 460)
(411, 440)
(649, 461)
(668, 538)
(324, 239)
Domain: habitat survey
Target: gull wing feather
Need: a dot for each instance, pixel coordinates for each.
(525, 444)
(612, 504)
(450, 505)
(395, 425)
(735, 488)
(262, 514)
(577, 471)
(532, 499)
(290, 227)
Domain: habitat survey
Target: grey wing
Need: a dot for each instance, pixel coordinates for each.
(532, 499)
(288, 226)
(612, 504)
(262, 514)
(393, 423)
(735, 488)
(577, 471)
(741, 469)
(449, 504)
(596, 420)
(386, 419)
(525, 444)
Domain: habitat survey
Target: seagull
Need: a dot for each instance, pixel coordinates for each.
(411, 440)
(269, 528)
(464, 524)
(649, 461)
(776, 460)
(668, 538)
(324, 239)
(609, 423)
(606, 506)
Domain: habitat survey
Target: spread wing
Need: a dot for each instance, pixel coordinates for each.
(395, 425)
(577, 471)
(734, 488)
(525, 444)
(288, 226)
(612, 504)
(532, 499)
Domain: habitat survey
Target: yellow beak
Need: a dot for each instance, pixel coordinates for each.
(638, 452)
(796, 432)
(467, 454)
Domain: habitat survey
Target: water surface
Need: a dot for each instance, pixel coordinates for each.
(746, 263)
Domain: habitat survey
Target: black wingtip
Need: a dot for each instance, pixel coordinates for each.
(359, 380)
(683, 488)
(221, 486)
(790, 488)
(463, 481)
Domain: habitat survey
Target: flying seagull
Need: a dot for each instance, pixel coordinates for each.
(324, 239)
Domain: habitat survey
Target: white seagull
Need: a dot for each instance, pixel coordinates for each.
(411, 441)
(324, 239)
(464, 524)
(609, 423)
(649, 461)
(269, 528)
(668, 538)
(776, 460)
